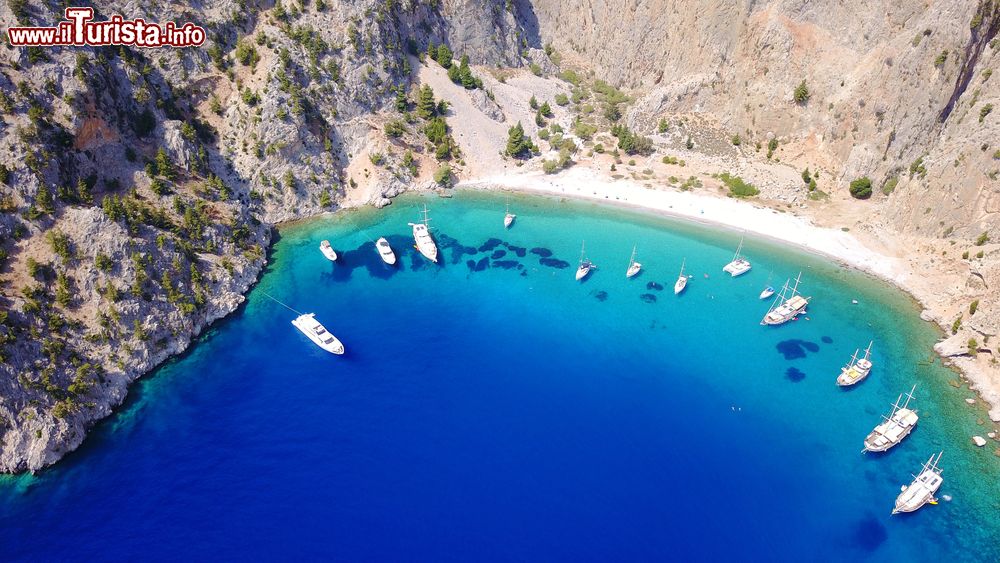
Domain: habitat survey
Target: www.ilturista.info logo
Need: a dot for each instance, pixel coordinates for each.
(80, 30)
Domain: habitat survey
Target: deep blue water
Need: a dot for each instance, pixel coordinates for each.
(493, 409)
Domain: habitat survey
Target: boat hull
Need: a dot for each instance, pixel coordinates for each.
(737, 268)
(680, 286)
(582, 272)
(333, 345)
(508, 220)
(385, 251)
(633, 270)
(328, 251)
(767, 293)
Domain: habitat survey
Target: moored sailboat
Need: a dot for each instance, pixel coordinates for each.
(788, 305)
(921, 491)
(585, 264)
(328, 251)
(894, 427)
(856, 369)
(739, 264)
(633, 266)
(385, 251)
(682, 279)
(508, 219)
(422, 237)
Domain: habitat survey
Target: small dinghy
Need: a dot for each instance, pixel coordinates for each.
(768, 291)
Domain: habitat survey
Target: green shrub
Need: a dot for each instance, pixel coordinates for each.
(941, 59)
(982, 239)
(984, 111)
(736, 140)
(890, 185)
(956, 325)
(737, 187)
(801, 93)
(973, 307)
(561, 100)
(443, 175)
(861, 188)
(535, 69)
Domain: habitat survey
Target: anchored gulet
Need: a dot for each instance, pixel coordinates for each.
(585, 265)
(856, 369)
(894, 427)
(739, 265)
(921, 490)
(788, 305)
(633, 266)
(422, 238)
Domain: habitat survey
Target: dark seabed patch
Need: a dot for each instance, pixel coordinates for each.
(648, 298)
(543, 252)
(796, 349)
(601, 295)
(654, 286)
(520, 251)
(478, 266)
(794, 374)
(869, 533)
(827, 340)
(498, 254)
(490, 245)
(505, 264)
(554, 263)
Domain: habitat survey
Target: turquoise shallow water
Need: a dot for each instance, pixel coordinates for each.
(491, 408)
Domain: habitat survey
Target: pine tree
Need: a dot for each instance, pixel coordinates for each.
(426, 107)
(518, 146)
(444, 55)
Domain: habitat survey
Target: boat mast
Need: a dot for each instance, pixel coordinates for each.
(583, 251)
(909, 396)
(795, 288)
(868, 350)
(738, 249)
(632, 259)
(854, 359)
(427, 219)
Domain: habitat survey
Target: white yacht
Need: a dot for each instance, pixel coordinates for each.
(921, 490)
(422, 237)
(894, 427)
(633, 266)
(310, 327)
(328, 251)
(682, 279)
(385, 251)
(768, 291)
(508, 219)
(856, 369)
(787, 306)
(739, 265)
(585, 265)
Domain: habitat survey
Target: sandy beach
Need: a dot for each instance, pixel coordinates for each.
(583, 182)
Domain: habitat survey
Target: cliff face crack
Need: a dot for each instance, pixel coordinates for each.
(989, 15)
